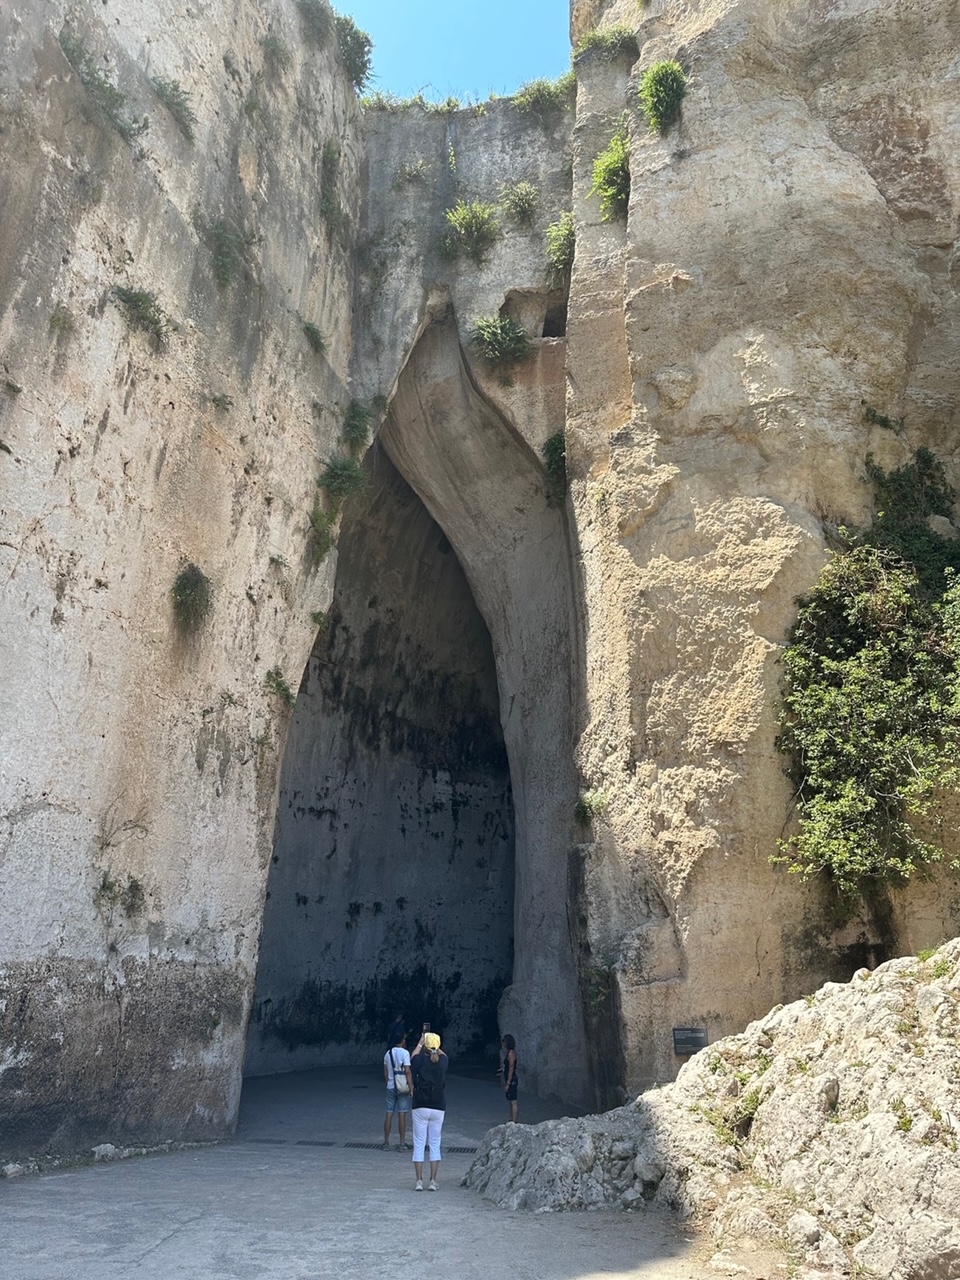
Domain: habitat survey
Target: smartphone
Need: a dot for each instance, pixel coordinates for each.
(426, 1026)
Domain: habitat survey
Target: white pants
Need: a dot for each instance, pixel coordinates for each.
(427, 1124)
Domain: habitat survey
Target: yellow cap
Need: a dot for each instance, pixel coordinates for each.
(431, 1041)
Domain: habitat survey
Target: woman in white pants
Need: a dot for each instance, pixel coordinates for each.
(428, 1064)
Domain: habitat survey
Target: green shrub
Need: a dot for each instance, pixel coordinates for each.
(143, 311)
(276, 53)
(545, 98)
(474, 229)
(108, 103)
(321, 532)
(661, 93)
(555, 460)
(562, 243)
(275, 682)
(589, 806)
(356, 426)
(341, 478)
(519, 201)
(228, 245)
(317, 19)
(315, 339)
(177, 101)
(611, 176)
(62, 322)
(501, 342)
(411, 171)
(871, 671)
(356, 48)
(608, 43)
(903, 499)
(192, 598)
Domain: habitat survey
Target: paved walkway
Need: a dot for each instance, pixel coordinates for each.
(303, 1193)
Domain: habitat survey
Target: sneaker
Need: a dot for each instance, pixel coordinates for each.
(384, 1146)
(433, 1185)
(419, 1186)
(404, 1146)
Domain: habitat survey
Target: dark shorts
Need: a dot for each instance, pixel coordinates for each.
(511, 1090)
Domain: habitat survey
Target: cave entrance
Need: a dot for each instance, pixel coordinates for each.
(433, 795)
(391, 884)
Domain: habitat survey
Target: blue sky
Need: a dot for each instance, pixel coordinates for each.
(468, 48)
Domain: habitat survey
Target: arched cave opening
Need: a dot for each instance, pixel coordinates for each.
(392, 880)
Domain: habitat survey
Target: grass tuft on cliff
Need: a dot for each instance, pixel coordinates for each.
(662, 90)
(108, 103)
(143, 311)
(611, 176)
(474, 229)
(545, 99)
(177, 101)
(562, 243)
(500, 341)
(356, 50)
(608, 43)
(192, 598)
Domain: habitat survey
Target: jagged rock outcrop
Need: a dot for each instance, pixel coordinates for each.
(829, 1127)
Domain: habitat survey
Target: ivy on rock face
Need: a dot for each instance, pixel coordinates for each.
(872, 692)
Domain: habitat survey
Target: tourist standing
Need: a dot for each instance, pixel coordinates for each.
(429, 1068)
(509, 1070)
(399, 1082)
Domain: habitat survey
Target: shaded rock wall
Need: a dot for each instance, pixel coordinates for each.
(137, 764)
(392, 879)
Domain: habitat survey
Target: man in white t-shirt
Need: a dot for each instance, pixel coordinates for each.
(396, 1062)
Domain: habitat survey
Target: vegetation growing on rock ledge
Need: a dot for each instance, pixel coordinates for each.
(356, 48)
(108, 103)
(192, 599)
(872, 691)
(661, 92)
(608, 43)
(474, 230)
(545, 98)
(562, 243)
(501, 342)
(611, 176)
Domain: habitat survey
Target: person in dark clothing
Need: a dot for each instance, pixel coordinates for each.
(397, 1031)
(428, 1064)
(509, 1071)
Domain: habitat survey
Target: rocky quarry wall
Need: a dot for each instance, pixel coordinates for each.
(478, 651)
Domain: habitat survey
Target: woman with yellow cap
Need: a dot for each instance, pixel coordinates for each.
(428, 1063)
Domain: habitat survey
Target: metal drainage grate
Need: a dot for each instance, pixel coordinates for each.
(270, 1142)
(462, 1151)
(364, 1146)
(314, 1142)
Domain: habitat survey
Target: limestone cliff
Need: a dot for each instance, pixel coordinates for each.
(789, 253)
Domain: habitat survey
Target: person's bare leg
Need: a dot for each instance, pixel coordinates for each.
(418, 1169)
(514, 1110)
(387, 1124)
(434, 1170)
(402, 1126)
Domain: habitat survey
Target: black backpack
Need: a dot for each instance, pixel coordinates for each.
(429, 1085)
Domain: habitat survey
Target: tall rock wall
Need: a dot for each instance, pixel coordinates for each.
(138, 763)
(788, 255)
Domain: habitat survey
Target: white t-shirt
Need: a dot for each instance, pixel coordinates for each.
(401, 1059)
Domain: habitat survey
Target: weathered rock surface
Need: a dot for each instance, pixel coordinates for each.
(831, 1127)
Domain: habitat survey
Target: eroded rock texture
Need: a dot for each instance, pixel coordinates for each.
(829, 1127)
